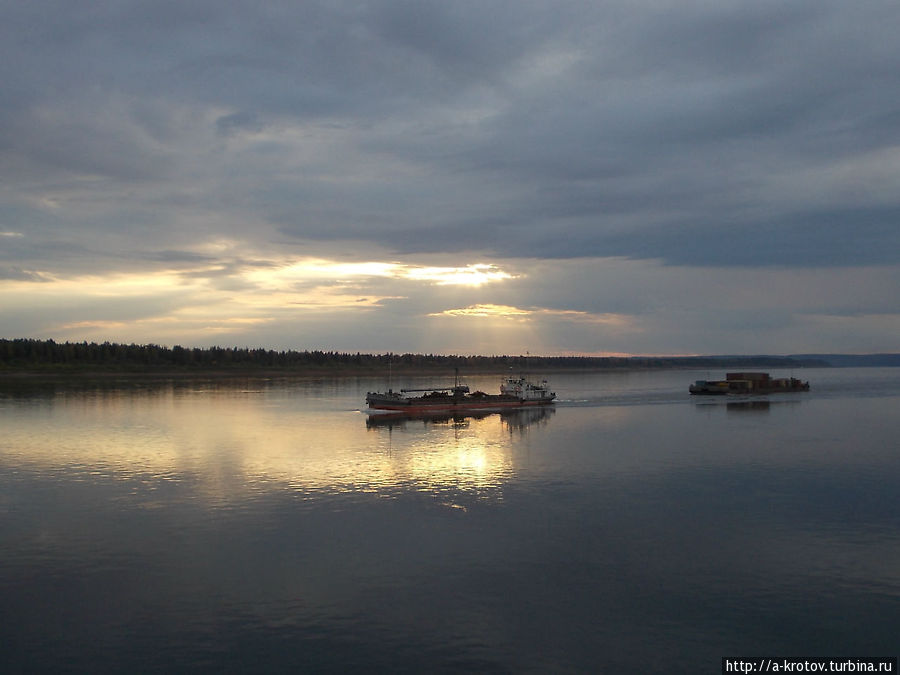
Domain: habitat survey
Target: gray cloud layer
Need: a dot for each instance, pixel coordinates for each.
(163, 165)
(699, 133)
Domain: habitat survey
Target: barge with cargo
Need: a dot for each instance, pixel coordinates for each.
(515, 392)
(748, 383)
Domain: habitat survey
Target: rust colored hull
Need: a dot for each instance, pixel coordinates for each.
(417, 408)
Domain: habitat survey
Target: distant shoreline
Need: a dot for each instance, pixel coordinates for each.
(24, 377)
(153, 373)
(86, 373)
(30, 359)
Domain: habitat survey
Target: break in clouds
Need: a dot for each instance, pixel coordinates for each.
(649, 177)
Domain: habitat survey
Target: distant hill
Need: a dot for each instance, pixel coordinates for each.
(853, 360)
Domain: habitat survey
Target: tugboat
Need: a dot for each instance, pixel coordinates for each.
(748, 383)
(515, 392)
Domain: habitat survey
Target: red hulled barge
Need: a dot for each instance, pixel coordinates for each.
(515, 392)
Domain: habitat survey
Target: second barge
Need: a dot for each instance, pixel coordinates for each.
(748, 383)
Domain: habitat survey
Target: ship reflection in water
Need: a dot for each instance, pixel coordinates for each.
(518, 419)
(455, 457)
(748, 406)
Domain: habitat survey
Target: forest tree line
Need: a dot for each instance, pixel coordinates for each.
(47, 355)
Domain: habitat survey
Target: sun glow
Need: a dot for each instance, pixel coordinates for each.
(470, 275)
(487, 310)
(509, 312)
(313, 269)
(228, 296)
(317, 270)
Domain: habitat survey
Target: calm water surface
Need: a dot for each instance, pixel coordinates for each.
(270, 526)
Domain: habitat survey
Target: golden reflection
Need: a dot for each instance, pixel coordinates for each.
(468, 458)
(447, 454)
(512, 419)
(237, 442)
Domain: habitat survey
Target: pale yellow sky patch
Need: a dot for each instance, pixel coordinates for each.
(96, 325)
(316, 269)
(488, 310)
(112, 285)
(470, 275)
(169, 329)
(312, 269)
(195, 302)
(278, 282)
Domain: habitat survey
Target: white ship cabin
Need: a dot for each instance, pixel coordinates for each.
(525, 390)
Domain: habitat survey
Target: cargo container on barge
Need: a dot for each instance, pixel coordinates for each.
(748, 383)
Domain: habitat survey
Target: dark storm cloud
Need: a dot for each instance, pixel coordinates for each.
(691, 132)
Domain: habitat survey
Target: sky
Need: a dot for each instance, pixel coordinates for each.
(598, 177)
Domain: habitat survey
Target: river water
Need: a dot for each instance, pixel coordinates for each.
(272, 526)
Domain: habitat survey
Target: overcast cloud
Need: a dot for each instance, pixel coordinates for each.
(654, 177)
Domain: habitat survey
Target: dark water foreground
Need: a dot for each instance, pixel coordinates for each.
(268, 526)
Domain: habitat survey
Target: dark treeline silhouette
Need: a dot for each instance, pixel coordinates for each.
(47, 355)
